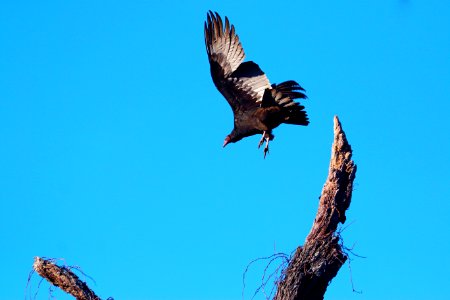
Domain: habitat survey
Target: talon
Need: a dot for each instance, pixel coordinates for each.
(260, 143)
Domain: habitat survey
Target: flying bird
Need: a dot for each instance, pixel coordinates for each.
(258, 107)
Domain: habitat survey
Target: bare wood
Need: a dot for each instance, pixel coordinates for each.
(315, 264)
(64, 278)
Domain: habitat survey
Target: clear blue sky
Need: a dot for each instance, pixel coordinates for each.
(111, 152)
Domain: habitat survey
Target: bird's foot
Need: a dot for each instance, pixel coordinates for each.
(266, 148)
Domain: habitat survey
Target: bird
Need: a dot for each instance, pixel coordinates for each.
(258, 106)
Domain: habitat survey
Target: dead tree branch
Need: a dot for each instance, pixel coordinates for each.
(314, 265)
(64, 278)
(311, 268)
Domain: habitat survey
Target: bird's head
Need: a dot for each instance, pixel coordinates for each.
(233, 137)
(227, 140)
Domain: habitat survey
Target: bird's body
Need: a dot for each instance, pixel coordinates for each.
(258, 106)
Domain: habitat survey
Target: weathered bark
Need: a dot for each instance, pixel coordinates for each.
(315, 264)
(64, 278)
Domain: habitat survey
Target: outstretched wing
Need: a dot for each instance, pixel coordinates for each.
(242, 84)
(222, 45)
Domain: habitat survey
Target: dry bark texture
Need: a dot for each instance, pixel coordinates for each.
(315, 264)
(64, 278)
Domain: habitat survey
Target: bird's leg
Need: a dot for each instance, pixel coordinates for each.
(265, 137)
(261, 141)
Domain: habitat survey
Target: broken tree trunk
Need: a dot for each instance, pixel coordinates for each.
(314, 265)
(64, 278)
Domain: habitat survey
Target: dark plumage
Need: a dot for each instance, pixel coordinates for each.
(258, 107)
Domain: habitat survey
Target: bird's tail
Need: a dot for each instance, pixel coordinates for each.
(290, 89)
(283, 95)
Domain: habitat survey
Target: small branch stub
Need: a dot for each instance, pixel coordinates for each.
(64, 278)
(315, 264)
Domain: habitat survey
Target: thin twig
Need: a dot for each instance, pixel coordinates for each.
(271, 257)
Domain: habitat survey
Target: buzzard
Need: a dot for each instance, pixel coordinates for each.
(258, 107)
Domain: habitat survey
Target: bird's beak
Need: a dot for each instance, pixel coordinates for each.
(227, 140)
